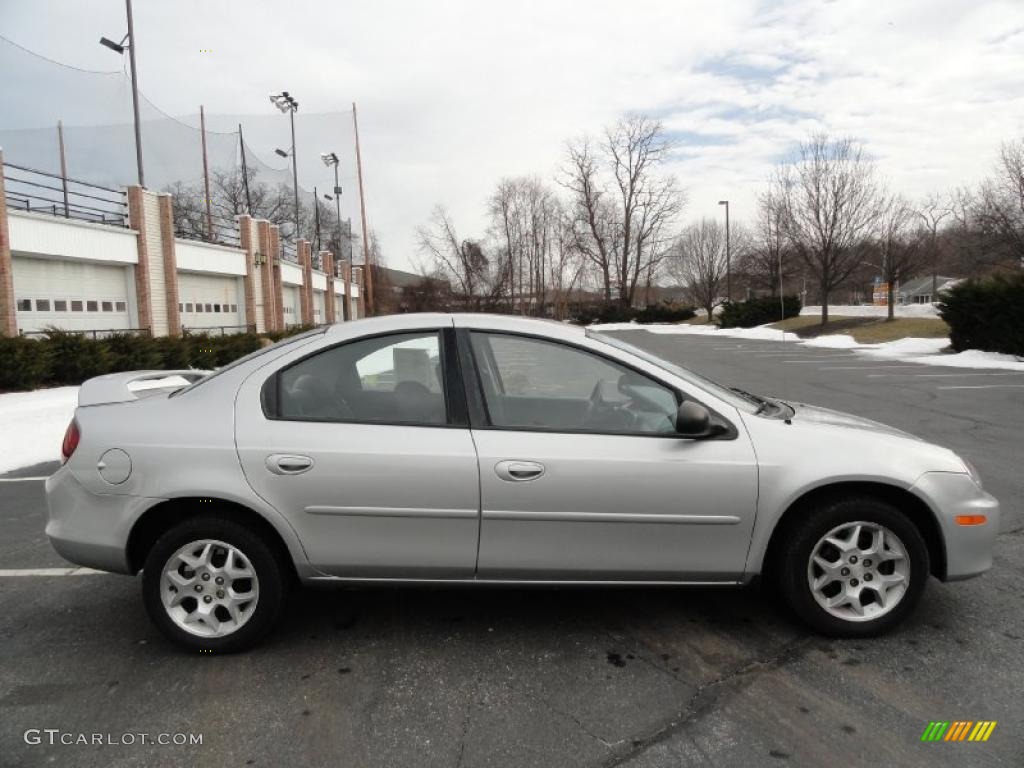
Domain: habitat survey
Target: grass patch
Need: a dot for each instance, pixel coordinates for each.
(867, 330)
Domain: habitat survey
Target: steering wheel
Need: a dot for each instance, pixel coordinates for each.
(600, 413)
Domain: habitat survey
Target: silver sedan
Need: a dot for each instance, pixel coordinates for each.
(479, 449)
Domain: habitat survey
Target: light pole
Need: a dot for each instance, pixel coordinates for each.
(329, 159)
(286, 103)
(119, 48)
(728, 256)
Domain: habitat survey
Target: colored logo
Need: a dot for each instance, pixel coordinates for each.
(958, 730)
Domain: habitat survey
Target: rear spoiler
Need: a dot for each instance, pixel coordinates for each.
(115, 387)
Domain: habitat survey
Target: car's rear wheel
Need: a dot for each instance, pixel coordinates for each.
(853, 567)
(212, 585)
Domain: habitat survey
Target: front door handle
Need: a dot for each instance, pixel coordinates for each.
(288, 464)
(518, 471)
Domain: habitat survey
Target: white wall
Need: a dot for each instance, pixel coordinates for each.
(33, 233)
(194, 256)
(291, 274)
(155, 259)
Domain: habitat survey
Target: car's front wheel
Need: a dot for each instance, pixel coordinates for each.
(212, 585)
(854, 567)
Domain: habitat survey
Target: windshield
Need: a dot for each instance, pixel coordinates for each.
(251, 356)
(743, 402)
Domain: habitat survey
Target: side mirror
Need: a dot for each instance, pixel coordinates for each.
(693, 420)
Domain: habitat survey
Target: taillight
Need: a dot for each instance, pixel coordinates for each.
(71, 438)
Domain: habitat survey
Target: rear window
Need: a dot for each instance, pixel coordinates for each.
(252, 356)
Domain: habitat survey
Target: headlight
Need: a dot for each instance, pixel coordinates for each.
(972, 471)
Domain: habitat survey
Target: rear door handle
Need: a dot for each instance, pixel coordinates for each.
(518, 471)
(288, 464)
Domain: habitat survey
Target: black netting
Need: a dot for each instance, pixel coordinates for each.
(96, 111)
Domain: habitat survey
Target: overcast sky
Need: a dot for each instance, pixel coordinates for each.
(455, 94)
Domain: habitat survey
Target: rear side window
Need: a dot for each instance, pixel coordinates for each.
(395, 379)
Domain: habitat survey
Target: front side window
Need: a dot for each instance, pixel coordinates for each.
(530, 383)
(391, 379)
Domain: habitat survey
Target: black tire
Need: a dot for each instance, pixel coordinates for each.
(799, 542)
(269, 571)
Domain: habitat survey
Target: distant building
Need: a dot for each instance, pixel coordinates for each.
(919, 290)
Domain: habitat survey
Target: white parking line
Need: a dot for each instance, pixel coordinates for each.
(984, 386)
(817, 359)
(864, 367)
(17, 572)
(791, 353)
(935, 375)
(21, 479)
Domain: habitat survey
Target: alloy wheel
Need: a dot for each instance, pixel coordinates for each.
(858, 571)
(209, 588)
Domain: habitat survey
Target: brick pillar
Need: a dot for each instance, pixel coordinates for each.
(276, 256)
(137, 221)
(8, 315)
(267, 275)
(346, 276)
(170, 264)
(330, 300)
(306, 291)
(248, 246)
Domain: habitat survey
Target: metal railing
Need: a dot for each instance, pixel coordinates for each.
(217, 330)
(222, 230)
(35, 191)
(92, 333)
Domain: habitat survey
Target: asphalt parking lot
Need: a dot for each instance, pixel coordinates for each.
(630, 677)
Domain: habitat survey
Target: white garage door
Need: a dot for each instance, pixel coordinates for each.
(212, 302)
(319, 312)
(290, 303)
(74, 295)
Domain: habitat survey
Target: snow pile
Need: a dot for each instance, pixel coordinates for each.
(870, 310)
(32, 425)
(972, 358)
(909, 346)
(833, 341)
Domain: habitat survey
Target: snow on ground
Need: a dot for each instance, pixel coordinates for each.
(870, 310)
(32, 425)
(912, 350)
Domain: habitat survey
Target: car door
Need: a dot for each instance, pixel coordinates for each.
(583, 477)
(364, 446)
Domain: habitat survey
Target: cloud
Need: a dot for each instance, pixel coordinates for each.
(455, 94)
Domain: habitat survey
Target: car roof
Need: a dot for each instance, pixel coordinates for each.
(491, 321)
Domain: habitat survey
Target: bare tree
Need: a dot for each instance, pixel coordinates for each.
(932, 211)
(898, 245)
(525, 219)
(830, 201)
(1001, 213)
(461, 260)
(621, 203)
(764, 252)
(591, 212)
(697, 262)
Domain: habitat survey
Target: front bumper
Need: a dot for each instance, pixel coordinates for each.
(90, 529)
(968, 547)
